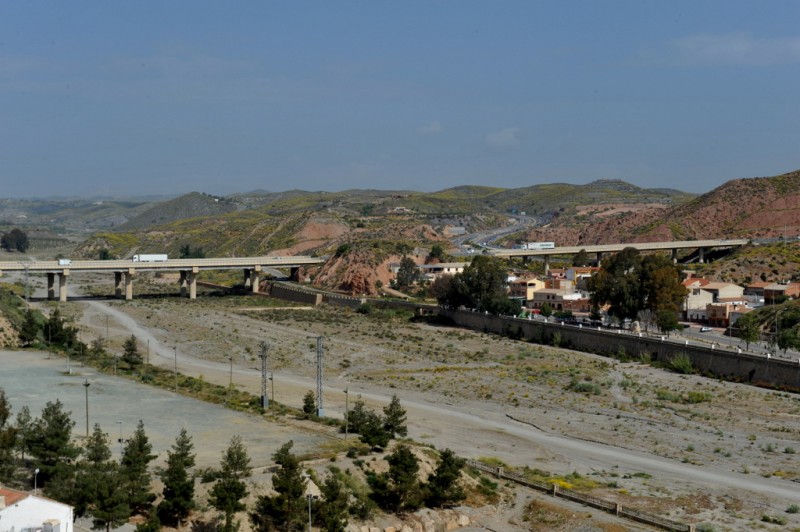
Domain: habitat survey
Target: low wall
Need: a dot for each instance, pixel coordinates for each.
(343, 301)
(297, 295)
(722, 363)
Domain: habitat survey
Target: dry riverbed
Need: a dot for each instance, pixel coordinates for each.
(686, 447)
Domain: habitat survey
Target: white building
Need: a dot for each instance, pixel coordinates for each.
(20, 511)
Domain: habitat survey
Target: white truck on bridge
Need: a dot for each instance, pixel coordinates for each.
(539, 245)
(150, 258)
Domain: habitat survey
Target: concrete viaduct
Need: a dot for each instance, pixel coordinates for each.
(125, 270)
(700, 245)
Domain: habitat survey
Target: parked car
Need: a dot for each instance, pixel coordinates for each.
(705, 329)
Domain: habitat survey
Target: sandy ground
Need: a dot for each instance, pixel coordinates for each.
(723, 454)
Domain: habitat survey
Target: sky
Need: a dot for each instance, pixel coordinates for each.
(152, 97)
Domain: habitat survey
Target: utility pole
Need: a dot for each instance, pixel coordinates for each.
(320, 405)
(264, 347)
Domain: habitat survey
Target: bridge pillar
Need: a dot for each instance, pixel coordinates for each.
(183, 282)
(546, 263)
(293, 273)
(674, 256)
(255, 279)
(62, 285)
(192, 278)
(702, 254)
(117, 284)
(129, 275)
(51, 291)
(599, 257)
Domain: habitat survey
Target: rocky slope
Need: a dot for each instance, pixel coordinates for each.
(760, 207)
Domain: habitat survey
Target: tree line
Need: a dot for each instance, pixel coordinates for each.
(110, 491)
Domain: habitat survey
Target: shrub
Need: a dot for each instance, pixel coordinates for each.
(590, 388)
(681, 364)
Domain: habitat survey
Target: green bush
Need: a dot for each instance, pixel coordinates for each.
(589, 388)
(681, 364)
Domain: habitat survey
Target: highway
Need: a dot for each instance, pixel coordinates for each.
(168, 265)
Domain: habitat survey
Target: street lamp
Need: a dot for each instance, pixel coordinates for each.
(35, 480)
(310, 498)
(86, 385)
(346, 412)
(175, 350)
(272, 385)
(230, 381)
(120, 440)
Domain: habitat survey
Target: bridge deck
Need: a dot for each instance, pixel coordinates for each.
(609, 248)
(171, 264)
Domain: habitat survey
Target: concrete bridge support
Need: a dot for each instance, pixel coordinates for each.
(51, 290)
(183, 282)
(247, 275)
(117, 284)
(191, 277)
(129, 275)
(702, 255)
(546, 259)
(675, 256)
(599, 257)
(255, 279)
(62, 285)
(293, 273)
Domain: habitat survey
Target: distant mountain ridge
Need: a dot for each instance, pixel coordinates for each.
(192, 205)
(760, 207)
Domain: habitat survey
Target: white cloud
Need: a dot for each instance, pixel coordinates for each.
(736, 49)
(505, 138)
(434, 128)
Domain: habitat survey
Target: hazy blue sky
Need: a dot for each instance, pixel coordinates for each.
(148, 97)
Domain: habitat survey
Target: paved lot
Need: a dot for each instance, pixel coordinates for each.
(30, 378)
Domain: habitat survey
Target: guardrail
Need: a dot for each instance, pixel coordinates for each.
(589, 500)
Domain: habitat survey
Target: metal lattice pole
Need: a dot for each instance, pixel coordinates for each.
(320, 406)
(264, 346)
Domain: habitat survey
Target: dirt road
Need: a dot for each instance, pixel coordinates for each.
(470, 428)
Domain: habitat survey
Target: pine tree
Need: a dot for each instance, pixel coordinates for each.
(131, 354)
(227, 494)
(24, 426)
(50, 443)
(309, 404)
(395, 420)
(332, 510)
(357, 417)
(99, 487)
(111, 505)
(136, 457)
(8, 439)
(442, 487)
(286, 509)
(30, 328)
(373, 432)
(178, 483)
(399, 489)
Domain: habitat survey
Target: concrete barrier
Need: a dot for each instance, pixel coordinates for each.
(717, 362)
